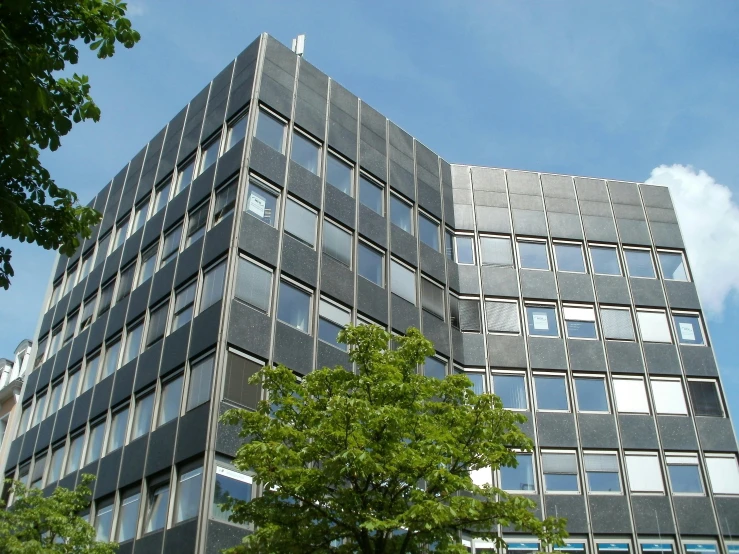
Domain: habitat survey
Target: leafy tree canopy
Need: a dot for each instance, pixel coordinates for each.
(38, 38)
(35, 524)
(378, 461)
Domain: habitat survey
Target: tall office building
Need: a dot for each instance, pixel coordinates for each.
(277, 207)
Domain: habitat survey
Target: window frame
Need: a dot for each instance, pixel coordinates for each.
(533, 240)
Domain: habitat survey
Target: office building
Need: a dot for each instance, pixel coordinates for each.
(276, 207)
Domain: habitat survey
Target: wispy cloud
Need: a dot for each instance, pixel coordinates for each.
(709, 219)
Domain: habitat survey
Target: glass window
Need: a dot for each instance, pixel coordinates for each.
(37, 477)
(95, 442)
(449, 244)
(542, 321)
(86, 266)
(705, 398)
(401, 214)
(133, 342)
(128, 517)
(432, 298)
(75, 453)
(644, 473)
(157, 323)
(73, 384)
(478, 381)
(521, 477)
(673, 266)
(209, 153)
(669, 397)
(591, 394)
(71, 326)
(92, 368)
(639, 263)
(689, 329)
(293, 307)
(331, 320)
(187, 499)
(196, 222)
(171, 245)
(403, 282)
(465, 314)
(569, 257)
(225, 201)
(198, 391)
(40, 409)
(121, 233)
(161, 196)
(371, 195)
(502, 316)
(339, 174)
(551, 393)
(118, 426)
(183, 304)
(337, 243)
(723, 472)
(511, 389)
(184, 175)
(103, 246)
(305, 152)
(653, 326)
(230, 484)
(605, 260)
(560, 472)
(271, 131)
(112, 355)
(237, 388)
(428, 230)
(602, 473)
(617, 323)
(533, 254)
(125, 283)
(169, 403)
(148, 263)
(300, 222)
(142, 416)
(435, 368)
(213, 281)
(465, 247)
(261, 202)
(56, 395)
(254, 285)
(55, 467)
(630, 396)
(88, 311)
(496, 251)
(141, 212)
(156, 508)
(104, 521)
(580, 322)
(684, 473)
(236, 131)
(371, 264)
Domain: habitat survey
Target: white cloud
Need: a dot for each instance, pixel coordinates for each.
(709, 219)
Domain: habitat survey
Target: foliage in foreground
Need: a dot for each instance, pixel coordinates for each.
(38, 38)
(375, 462)
(35, 524)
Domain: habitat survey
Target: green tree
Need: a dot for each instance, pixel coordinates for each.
(378, 460)
(38, 38)
(35, 524)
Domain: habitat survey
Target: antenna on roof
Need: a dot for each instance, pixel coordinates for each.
(299, 45)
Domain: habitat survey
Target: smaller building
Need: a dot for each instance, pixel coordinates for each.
(11, 382)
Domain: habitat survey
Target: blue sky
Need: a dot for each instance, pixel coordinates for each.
(605, 89)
